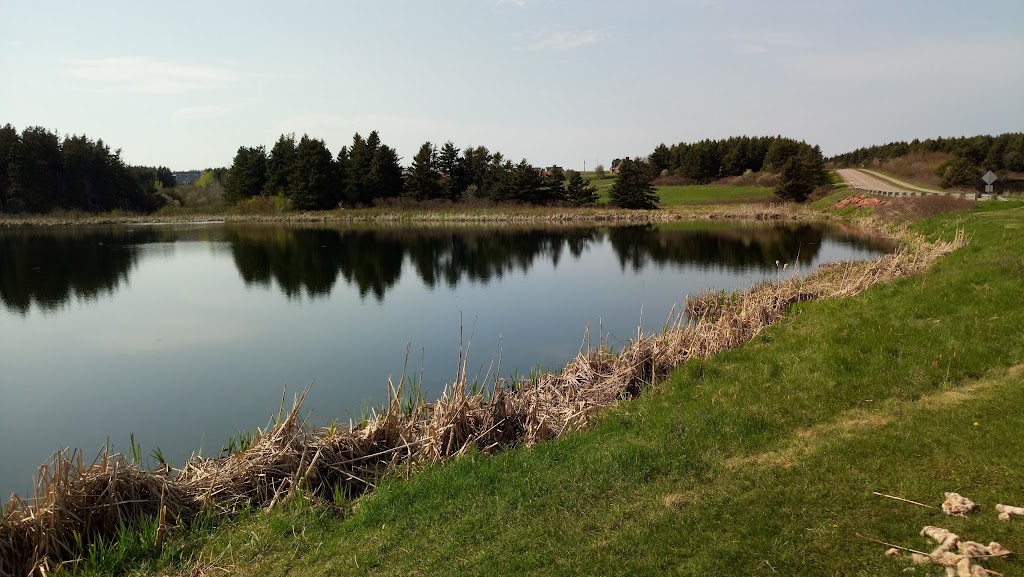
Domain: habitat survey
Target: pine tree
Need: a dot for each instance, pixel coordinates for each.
(578, 192)
(280, 164)
(314, 181)
(454, 176)
(8, 142)
(386, 173)
(553, 185)
(248, 174)
(800, 175)
(525, 185)
(424, 182)
(660, 159)
(634, 188)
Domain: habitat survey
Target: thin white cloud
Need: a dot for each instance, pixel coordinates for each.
(563, 40)
(200, 113)
(146, 76)
(517, 3)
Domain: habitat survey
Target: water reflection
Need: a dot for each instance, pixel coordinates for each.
(50, 267)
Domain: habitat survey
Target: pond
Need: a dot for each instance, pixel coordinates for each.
(185, 334)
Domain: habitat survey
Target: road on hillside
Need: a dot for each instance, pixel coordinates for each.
(868, 180)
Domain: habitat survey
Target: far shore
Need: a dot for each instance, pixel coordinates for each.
(511, 214)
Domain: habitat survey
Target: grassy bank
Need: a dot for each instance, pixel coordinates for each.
(759, 460)
(674, 197)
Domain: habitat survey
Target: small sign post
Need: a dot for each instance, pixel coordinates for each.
(989, 178)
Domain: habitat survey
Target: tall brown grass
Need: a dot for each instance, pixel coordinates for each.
(77, 503)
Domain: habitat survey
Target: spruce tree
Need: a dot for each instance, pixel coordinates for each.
(280, 164)
(800, 175)
(578, 192)
(248, 174)
(424, 182)
(634, 188)
(386, 173)
(314, 181)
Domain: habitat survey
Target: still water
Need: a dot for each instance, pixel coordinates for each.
(185, 334)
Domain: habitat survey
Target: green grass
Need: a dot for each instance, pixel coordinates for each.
(672, 196)
(841, 192)
(759, 461)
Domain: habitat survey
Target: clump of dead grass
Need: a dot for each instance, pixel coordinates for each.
(77, 503)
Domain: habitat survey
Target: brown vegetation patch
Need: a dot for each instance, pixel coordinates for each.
(88, 502)
(859, 201)
(678, 501)
(673, 180)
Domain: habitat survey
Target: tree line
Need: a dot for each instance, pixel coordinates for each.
(368, 171)
(40, 172)
(972, 155)
(708, 160)
(800, 166)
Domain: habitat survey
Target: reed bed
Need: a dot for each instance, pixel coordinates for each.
(76, 504)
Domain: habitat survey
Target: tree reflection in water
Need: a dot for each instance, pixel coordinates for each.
(50, 267)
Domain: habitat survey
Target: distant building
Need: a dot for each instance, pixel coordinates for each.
(187, 177)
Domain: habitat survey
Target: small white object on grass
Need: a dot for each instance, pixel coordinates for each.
(1007, 512)
(957, 504)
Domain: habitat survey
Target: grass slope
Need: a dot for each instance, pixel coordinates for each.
(672, 196)
(760, 461)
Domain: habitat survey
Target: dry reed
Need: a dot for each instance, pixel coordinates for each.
(77, 503)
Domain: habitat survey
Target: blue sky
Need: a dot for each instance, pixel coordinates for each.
(184, 84)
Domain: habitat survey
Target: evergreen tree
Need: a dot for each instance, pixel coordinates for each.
(800, 175)
(454, 176)
(702, 162)
(35, 171)
(476, 162)
(553, 185)
(634, 188)
(314, 181)
(248, 174)
(424, 181)
(8, 142)
(578, 192)
(280, 165)
(660, 159)
(959, 172)
(359, 189)
(525, 185)
(386, 173)
(343, 166)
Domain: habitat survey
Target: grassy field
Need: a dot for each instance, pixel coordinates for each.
(759, 461)
(673, 196)
(703, 194)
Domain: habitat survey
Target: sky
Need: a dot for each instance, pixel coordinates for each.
(183, 84)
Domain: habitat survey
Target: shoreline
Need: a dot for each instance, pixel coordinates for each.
(752, 211)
